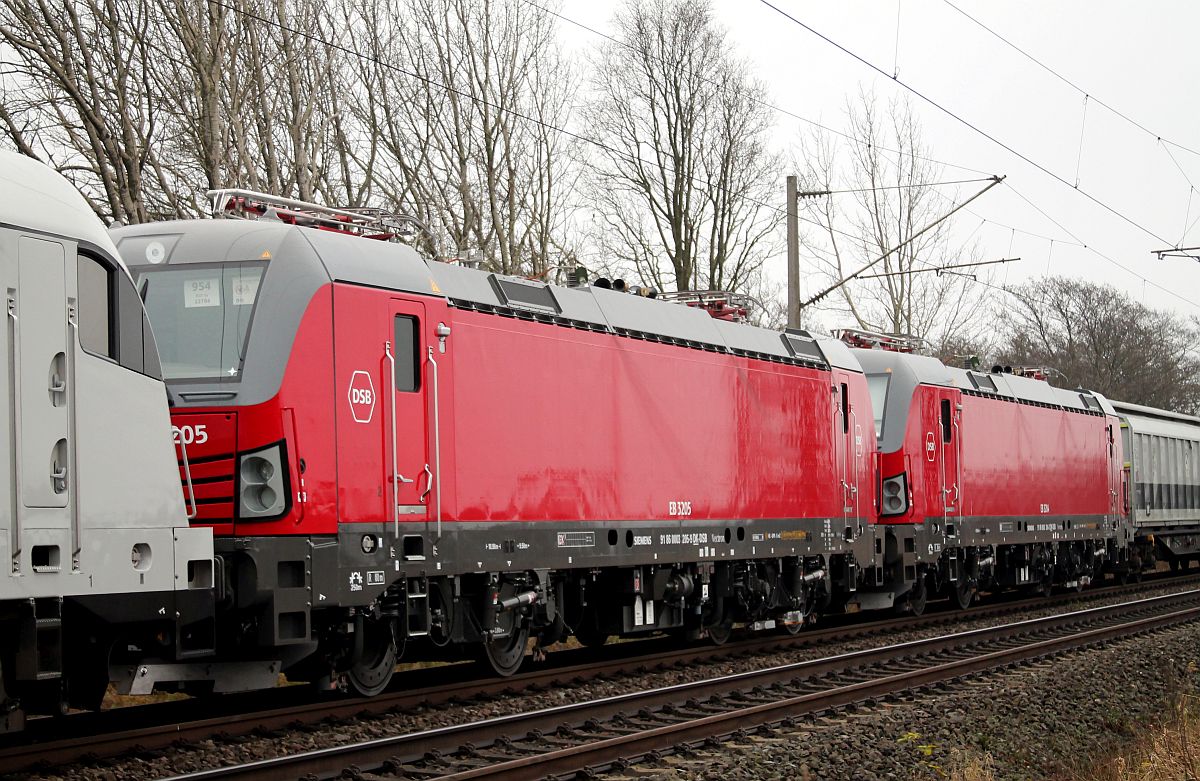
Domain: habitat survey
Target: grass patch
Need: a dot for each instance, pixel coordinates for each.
(1168, 752)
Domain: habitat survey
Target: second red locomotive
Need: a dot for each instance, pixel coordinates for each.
(992, 480)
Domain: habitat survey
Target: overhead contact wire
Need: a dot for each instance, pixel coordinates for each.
(759, 101)
(1068, 82)
(1004, 146)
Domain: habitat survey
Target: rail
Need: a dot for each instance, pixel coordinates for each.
(161, 725)
(593, 735)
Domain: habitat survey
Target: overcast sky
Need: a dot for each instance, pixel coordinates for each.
(1139, 58)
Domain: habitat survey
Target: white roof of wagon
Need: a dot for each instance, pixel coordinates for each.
(1161, 422)
(38, 198)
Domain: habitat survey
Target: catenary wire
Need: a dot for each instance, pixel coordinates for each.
(1100, 254)
(763, 103)
(1075, 242)
(1070, 83)
(1115, 212)
(1008, 148)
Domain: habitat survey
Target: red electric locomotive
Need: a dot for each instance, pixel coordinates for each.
(992, 480)
(397, 452)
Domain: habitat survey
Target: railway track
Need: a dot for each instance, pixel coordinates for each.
(160, 726)
(598, 735)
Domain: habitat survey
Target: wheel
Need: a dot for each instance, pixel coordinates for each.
(505, 654)
(720, 633)
(913, 603)
(918, 597)
(718, 625)
(1175, 564)
(964, 593)
(794, 628)
(588, 632)
(373, 672)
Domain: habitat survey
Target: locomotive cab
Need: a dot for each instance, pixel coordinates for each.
(100, 563)
(292, 473)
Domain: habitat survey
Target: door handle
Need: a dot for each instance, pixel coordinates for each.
(59, 475)
(402, 479)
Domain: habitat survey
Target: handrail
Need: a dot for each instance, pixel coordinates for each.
(853, 444)
(395, 511)
(437, 446)
(72, 433)
(15, 417)
(187, 475)
(957, 467)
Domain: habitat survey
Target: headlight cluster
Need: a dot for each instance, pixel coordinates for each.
(895, 495)
(262, 493)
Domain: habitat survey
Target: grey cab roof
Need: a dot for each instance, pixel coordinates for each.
(923, 369)
(908, 371)
(396, 266)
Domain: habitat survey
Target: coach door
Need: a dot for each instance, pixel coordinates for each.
(412, 475)
(844, 425)
(949, 447)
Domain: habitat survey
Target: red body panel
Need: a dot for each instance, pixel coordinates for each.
(1005, 459)
(559, 424)
(544, 422)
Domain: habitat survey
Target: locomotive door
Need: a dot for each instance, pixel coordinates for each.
(845, 447)
(950, 448)
(409, 473)
(1114, 469)
(39, 366)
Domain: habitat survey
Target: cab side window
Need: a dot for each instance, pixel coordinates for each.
(129, 325)
(408, 379)
(112, 322)
(95, 307)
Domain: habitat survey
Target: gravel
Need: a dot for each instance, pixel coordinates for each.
(1051, 719)
(937, 728)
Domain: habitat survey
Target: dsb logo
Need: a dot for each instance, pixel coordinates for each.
(361, 396)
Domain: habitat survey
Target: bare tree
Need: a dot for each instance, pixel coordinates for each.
(1097, 337)
(904, 293)
(466, 99)
(145, 105)
(76, 94)
(683, 173)
(282, 102)
(449, 110)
